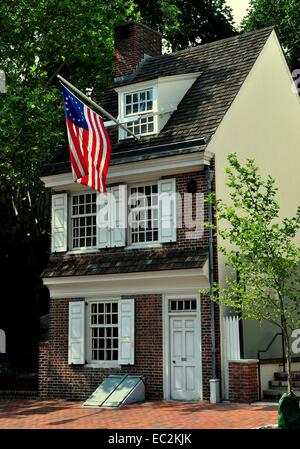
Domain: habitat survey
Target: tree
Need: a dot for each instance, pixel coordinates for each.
(285, 15)
(186, 23)
(38, 39)
(261, 250)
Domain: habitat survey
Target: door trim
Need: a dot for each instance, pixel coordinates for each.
(166, 342)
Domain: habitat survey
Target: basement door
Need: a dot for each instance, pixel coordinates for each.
(184, 357)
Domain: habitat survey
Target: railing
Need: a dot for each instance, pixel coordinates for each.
(18, 371)
(259, 363)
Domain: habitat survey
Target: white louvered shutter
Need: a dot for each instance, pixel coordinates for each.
(167, 210)
(126, 332)
(118, 215)
(103, 221)
(76, 332)
(59, 223)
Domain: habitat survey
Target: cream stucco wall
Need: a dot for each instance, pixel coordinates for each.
(263, 123)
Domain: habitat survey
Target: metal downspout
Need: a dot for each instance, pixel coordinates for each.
(209, 176)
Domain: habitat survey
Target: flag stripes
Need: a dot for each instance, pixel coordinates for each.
(89, 143)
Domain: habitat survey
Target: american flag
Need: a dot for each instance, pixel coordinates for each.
(89, 144)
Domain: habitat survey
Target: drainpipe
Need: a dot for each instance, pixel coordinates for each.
(214, 382)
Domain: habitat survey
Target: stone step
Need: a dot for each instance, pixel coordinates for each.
(283, 383)
(283, 375)
(277, 393)
(18, 394)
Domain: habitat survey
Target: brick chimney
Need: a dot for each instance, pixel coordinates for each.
(133, 41)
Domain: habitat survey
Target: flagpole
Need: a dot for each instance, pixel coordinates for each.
(96, 106)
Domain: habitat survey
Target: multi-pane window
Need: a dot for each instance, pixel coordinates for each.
(182, 305)
(144, 214)
(83, 220)
(138, 103)
(104, 331)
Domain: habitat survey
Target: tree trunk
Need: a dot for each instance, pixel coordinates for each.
(288, 354)
(288, 357)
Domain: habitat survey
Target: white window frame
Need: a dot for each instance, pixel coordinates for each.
(153, 243)
(89, 360)
(79, 249)
(128, 118)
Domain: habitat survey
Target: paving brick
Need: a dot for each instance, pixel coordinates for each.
(50, 414)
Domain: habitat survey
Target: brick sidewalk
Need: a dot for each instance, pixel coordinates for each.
(38, 414)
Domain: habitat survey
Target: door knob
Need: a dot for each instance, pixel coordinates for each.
(174, 361)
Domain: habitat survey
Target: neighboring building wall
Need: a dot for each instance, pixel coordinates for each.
(263, 123)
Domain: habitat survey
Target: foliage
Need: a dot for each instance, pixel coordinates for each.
(285, 14)
(261, 251)
(38, 39)
(190, 22)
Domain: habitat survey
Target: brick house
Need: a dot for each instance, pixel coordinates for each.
(124, 298)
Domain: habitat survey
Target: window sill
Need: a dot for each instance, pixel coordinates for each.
(102, 365)
(144, 246)
(139, 136)
(82, 251)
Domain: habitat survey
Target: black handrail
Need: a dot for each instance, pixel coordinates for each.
(258, 357)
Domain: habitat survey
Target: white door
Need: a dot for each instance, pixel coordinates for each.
(184, 358)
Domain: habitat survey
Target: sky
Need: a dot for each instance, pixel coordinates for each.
(239, 9)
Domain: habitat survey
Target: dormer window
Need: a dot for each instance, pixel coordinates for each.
(146, 107)
(138, 111)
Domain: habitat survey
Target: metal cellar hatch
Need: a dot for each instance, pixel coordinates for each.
(117, 391)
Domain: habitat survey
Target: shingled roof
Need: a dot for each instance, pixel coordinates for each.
(223, 66)
(131, 262)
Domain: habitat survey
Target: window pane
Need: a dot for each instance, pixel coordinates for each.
(114, 307)
(144, 227)
(81, 227)
(139, 103)
(104, 335)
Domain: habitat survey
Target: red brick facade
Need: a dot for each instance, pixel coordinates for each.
(182, 242)
(78, 381)
(58, 379)
(243, 381)
(132, 41)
